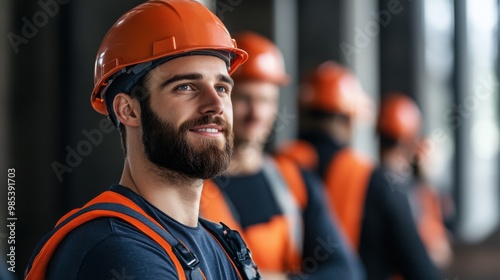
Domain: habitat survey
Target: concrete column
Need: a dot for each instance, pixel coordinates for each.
(359, 48)
(285, 27)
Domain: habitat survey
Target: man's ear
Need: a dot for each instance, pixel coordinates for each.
(127, 109)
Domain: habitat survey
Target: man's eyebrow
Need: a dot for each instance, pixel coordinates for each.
(195, 76)
(226, 79)
(191, 76)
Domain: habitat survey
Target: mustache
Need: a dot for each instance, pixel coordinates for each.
(207, 119)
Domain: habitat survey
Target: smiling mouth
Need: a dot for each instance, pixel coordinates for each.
(209, 130)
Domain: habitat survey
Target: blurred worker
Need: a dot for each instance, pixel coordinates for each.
(403, 154)
(375, 217)
(162, 76)
(278, 208)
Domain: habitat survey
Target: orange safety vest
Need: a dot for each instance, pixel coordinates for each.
(346, 181)
(429, 221)
(272, 244)
(114, 205)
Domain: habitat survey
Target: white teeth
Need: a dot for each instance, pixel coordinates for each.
(211, 130)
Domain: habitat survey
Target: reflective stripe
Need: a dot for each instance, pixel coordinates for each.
(286, 202)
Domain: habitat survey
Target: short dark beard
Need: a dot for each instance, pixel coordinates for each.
(168, 148)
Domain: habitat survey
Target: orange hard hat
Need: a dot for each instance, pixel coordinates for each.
(399, 117)
(265, 62)
(332, 88)
(158, 29)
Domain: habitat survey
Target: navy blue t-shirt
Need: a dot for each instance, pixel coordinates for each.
(109, 248)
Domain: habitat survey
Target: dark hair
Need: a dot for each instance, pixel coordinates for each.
(320, 115)
(387, 142)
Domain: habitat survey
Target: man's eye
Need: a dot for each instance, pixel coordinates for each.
(222, 89)
(184, 87)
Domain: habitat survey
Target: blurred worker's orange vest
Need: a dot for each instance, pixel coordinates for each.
(272, 244)
(346, 182)
(430, 224)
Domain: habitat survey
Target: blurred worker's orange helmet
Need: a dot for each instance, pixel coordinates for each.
(265, 61)
(332, 88)
(399, 117)
(157, 29)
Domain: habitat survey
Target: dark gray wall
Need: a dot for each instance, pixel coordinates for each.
(401, 44)
(320, 24)
(34, 129)
(51, 77)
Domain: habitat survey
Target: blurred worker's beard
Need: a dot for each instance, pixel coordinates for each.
(169, 148)
(246, 136)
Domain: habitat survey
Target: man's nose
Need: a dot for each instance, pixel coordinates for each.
(212, 102)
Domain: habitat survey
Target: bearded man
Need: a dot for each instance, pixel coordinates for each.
(163, 77)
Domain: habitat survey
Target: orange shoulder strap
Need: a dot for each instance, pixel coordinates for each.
(346, 182)
(95, 209)
(301, 152)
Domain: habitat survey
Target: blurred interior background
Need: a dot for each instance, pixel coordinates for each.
(442, 53)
